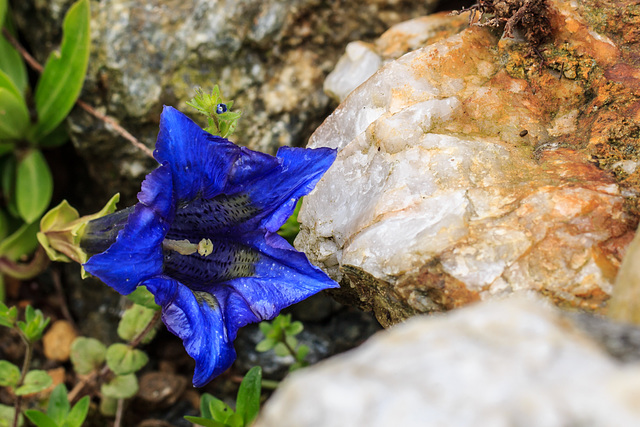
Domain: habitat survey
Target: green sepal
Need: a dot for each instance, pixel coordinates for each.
(34, 382)
(9, 374)
(121, 387)
(122, 359)
(34, 186)
(61, 230)
(63, 74)
(87, 355)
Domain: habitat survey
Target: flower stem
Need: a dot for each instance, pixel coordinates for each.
(25, 368)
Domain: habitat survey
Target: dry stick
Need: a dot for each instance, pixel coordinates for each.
(119, 411)
(89, 109)
(55, 276)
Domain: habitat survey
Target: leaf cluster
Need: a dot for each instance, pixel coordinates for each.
(280, 336)
(221, 120)
(59, 411)
(216, 413)
(89, 355)
(26, 180)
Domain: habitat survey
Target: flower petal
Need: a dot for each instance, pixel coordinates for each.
(196, 318)
(199, 161)
(273, 195)
(137, 252)
(135, 256)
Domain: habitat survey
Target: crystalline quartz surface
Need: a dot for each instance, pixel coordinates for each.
(433, 169)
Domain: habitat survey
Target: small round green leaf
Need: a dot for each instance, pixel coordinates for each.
(34, 382)
(123, 360)
(121, 387)
(87, 354)
(134, 320)
(6, 416)
(9, 374)
(34, 186)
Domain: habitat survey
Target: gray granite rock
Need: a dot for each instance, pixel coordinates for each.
(270, 56)
(515, 362)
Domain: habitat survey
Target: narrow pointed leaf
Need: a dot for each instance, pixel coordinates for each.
(14, 116)
(10, 60)
(3, 11)
(64, 72)
(78, 414)
(248, 401)
(34, 186)
(58, 406)
(203, 421)
(40, 419)
(8, 84)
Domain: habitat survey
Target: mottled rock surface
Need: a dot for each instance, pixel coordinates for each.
(509, 363)
(470, 168)
(270, 56)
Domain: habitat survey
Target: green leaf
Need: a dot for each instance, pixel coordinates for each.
(34, 324)
(9, 374)
(281, 350)
(121, 387)
(40, 419)
(303, 350)
(8, 172)
(219, 410)
(8, 84)
(248, 401)
(206, 422)
(294, 329)
(108, 406)
(3, 12)
(142, 296)
(21, 242)
(64, 72)
(8, 315)
(87, 354)
(266, 345)
(134, 320)
(265, 328)
(34, 382)
(6, 416)
(78, 414)
(11, 62)
(123, 360)
(14, 115)
(34, 186)
(58, 406)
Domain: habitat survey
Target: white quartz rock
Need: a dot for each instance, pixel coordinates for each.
(504, 363)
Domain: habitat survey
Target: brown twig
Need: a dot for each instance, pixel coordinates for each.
(119, 412)
(57, 283)
(88, 108)
(152, 323)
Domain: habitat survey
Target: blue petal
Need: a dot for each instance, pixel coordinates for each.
(267, 272)
(196, 318)
(283, 276)
(262, 192)
(274, 194)
(137, 252)
(199, 161)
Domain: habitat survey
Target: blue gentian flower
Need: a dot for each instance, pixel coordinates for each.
(203, 238)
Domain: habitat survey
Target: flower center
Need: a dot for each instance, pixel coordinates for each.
(185, 247)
